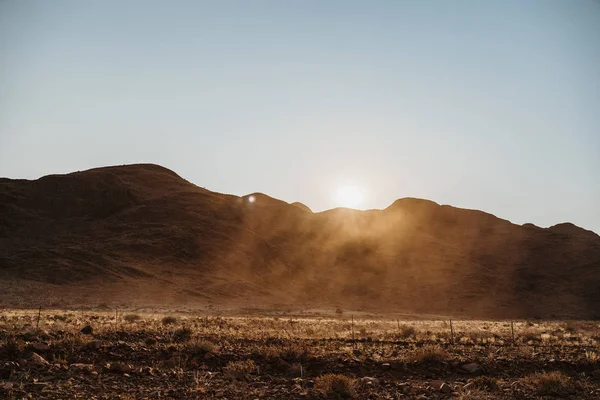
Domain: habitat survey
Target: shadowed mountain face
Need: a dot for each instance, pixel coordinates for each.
(141, 232)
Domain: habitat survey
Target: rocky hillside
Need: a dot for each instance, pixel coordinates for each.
(142, 234)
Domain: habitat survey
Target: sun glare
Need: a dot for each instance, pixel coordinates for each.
(349, 196)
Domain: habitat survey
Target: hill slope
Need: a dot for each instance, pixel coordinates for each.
(141, 233)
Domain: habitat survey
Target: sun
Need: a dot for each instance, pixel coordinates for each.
(349, 196)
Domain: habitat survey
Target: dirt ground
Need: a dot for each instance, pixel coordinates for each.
(148, 355)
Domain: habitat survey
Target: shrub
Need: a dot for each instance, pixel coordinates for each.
(14, 348)
(339, 311)
(131, 318)
(334, 386)
(485, 383)
(239, 369)
(475, 395)
(202, 348)
(553, 383)
(169, 320)
(407, 331)
(295, 352)
(182, 334)
(429, 355)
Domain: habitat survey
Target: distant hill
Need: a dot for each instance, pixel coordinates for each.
(140, 234)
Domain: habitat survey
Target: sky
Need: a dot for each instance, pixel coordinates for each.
(490, 105)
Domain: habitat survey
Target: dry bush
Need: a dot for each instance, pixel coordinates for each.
(289, 353)
(131, 318)
(592, 356)
(202, 348)
(295, 352)
(169, 320)
(475, 395)
(429, 355)
(407, 331)
(579, 326)
(485, 383)
(553, 383)
(13, 348)
(363, 333)
(239, 370)
(182, 334)
(334, 386)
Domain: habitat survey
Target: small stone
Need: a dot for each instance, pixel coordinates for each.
(118, 367)
(38, 360)
(86, 368)
(95, 345)
(40, 346)
(437, 384)
(386, 366)
(87, 330)
(471, 367)
(38, 386)
(369, 380)
(445, 388)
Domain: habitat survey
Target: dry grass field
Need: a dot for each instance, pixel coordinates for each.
(182, 355)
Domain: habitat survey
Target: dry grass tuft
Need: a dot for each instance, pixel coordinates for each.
(407, 331)
(131, 318)
(553, 383)
(14, 348)
(485, 383)
(429, 355)
(182, 334)
(202, 348)
(475, 395)
(239, 370)
(334, 386)
(169, 320)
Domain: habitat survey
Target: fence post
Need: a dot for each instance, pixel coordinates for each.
(512, 331)
(451, 332)
(352, 315)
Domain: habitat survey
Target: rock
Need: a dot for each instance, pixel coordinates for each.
(369, 380)
(40, 346)
(38, 386)
(95, 345)
(386, 366)
(29, 336)
(38, 360)
(445, 388)
(471, 367)
(5, 372)
(87, 330)
(86, 368)
(118, 367)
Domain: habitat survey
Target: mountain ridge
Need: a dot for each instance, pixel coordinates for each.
(144, 227)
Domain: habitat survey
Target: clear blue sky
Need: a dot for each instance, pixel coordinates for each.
(493, 105)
